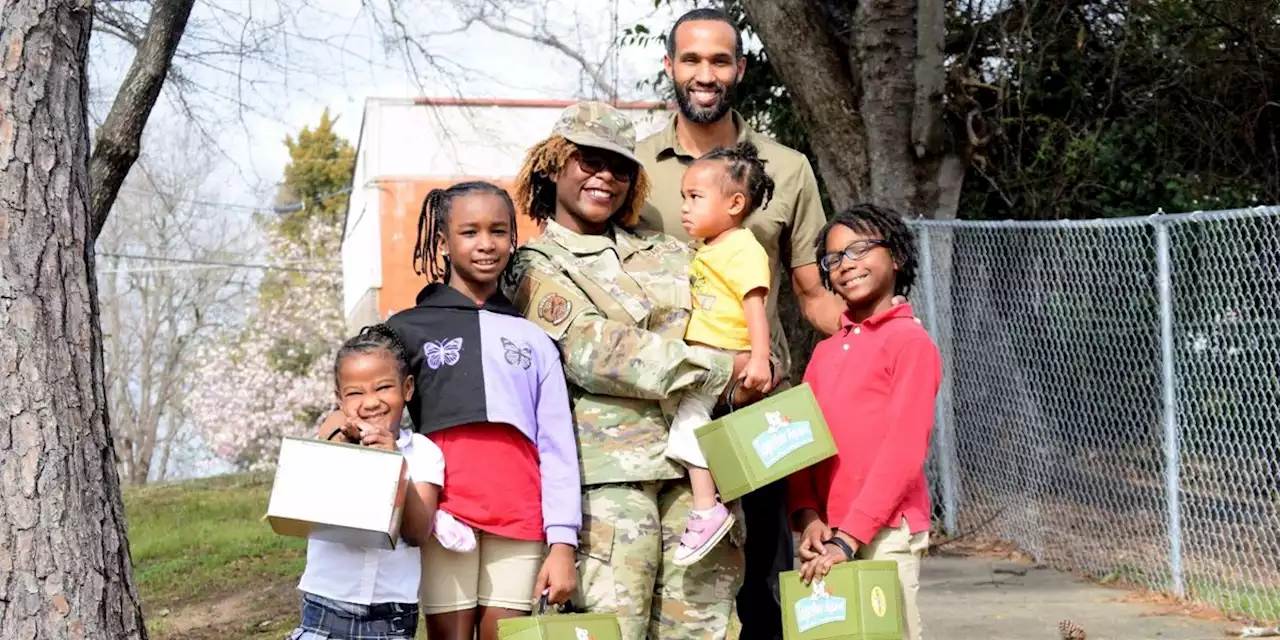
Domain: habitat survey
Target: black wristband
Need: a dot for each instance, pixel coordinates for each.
(842, 545)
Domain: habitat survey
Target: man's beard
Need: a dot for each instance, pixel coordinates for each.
(705, 115)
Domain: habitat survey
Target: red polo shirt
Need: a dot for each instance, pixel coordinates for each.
(876, 382)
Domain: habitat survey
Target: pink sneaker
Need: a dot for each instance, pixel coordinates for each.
(452, 534)
(702, 533)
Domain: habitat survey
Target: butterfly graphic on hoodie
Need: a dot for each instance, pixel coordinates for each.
(440, 353)
(517, 355)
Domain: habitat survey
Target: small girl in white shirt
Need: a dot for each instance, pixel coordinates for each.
(354, 592)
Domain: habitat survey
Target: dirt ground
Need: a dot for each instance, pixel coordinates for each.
(976, 598)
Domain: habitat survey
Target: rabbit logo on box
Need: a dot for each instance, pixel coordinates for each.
(822, 607)
(781, 439)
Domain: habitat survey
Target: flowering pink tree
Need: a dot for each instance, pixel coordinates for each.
(274, 376)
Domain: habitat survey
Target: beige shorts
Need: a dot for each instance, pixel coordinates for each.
(900, 545)
(501, 573)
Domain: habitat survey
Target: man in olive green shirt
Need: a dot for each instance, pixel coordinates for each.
(704, 62)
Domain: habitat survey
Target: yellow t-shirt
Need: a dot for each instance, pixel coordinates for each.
(722, 274)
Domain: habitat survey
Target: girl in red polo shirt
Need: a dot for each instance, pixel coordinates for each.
(876, 381)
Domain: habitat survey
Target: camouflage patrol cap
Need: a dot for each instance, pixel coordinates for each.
(598, 125)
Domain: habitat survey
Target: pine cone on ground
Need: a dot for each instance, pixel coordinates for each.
(1071, 630)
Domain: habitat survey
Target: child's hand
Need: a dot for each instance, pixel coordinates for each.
(757, 375)
(374, 436)
(819, 566)
(812, 537)
(558, 577)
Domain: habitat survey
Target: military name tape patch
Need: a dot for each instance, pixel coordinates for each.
(554, 308)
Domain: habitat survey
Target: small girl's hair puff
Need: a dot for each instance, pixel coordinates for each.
(871, 220)
(378, 337)
(433, 221)
(535, 188)
(745, 171)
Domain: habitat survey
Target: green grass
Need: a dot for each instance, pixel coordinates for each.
(200, 542)
(1251, 603)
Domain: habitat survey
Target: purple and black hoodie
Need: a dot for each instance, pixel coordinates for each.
(475, 364)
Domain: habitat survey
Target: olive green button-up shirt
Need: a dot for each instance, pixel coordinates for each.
(788, 226)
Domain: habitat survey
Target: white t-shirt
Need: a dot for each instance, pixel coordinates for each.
(373, 576)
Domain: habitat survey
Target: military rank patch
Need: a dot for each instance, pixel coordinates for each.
(554, 308)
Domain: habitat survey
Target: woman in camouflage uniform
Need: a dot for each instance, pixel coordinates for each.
(617, 300)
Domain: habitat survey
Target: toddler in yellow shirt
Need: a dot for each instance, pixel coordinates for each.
(730, 280)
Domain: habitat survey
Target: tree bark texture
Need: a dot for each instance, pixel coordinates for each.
(64, 559)
(120, 136)
(814, 65)
(868, 79)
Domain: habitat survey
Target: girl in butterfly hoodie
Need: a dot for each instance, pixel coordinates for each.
(492, 395)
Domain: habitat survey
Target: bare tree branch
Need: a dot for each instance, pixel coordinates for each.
(155, 316)
(539, 33)
(119, 138)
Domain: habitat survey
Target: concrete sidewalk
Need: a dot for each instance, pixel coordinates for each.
(974, 598)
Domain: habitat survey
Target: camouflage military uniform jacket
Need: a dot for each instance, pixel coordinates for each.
(617, 305)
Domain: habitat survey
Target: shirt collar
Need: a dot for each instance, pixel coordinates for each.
(404, 439)
(440, 295)
(901, 311)
(670, 144)
(624, 242)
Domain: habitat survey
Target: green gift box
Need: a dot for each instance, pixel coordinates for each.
(765, 442)
(859, 600)
(560, 626)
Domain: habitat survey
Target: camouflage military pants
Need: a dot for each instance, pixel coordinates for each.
(629, 538)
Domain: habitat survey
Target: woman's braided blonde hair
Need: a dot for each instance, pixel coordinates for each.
(535, 190)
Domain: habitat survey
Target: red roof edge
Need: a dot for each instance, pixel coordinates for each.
(535, 104)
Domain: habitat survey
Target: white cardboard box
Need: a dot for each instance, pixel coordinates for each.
(338, 492)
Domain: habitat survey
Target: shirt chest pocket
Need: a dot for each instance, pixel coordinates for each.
(666, 287)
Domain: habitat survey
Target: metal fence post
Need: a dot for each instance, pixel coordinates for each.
(942, 428)
(1172, 453)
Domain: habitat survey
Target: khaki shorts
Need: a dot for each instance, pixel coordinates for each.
(900, 545)
(500, 573)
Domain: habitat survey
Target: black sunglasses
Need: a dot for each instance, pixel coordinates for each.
(856, 250)
(594, 161)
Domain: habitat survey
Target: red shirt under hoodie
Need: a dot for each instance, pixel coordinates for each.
(876, 382)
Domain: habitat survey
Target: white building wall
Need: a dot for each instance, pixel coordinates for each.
(362, 240)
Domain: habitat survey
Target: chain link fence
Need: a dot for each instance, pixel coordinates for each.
(1112, 397)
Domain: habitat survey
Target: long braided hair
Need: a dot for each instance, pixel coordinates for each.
(433, 223)
(745, 169)
(377, 337)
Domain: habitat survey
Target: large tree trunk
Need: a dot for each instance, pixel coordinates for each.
(64, 560)
(868, 79)
(815, 66)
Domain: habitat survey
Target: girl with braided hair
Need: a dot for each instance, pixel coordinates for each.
(730, 280)
(492, 396)
(373, 384)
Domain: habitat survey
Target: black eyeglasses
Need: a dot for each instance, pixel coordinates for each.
(594, 161)
(855, 251)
